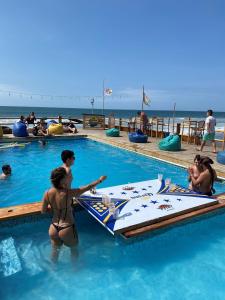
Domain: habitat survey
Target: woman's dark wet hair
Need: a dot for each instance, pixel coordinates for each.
(207, 162)
(57, 175)
(66, 154)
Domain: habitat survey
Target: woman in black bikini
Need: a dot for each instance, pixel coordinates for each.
(59, 198)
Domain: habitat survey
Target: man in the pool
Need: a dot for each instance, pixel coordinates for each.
(6, 172)
(68, 158)
(59, 199)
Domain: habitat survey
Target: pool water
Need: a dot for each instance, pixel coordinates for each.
(184, 262)
(31, 167)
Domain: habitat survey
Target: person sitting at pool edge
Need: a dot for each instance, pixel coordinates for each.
(31, 118)
(195, 169)
(41, 129)
(59, 199)
(68, 158)
(203, 184)
(6, 172)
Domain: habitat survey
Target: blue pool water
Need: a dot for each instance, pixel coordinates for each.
(185, 262)
(32, 164)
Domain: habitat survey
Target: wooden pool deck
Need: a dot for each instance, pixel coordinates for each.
(183, 158)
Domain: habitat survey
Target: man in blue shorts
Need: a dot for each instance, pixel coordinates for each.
(209, 135)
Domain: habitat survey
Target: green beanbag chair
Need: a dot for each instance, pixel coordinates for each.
(113, 132)
(170, 143)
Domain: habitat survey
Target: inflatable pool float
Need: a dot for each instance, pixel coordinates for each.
(170, 143)
(114, 132)
(51, 122)
(138, 137)
(55, 129)
(221, 157)
(20, 129)
(11, 145)
(1, 132)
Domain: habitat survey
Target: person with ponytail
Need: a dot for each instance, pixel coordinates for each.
(203, 184)
(58, 200)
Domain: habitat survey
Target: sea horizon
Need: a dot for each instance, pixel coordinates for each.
(41, 111)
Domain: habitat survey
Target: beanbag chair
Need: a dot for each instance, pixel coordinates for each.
(113, 132)
(55, 129)
(221, 157)
(138, 137)
(170, 143)
(20, 129)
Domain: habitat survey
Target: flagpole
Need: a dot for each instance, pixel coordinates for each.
(103, 97)
(142, 106)
(174, 109)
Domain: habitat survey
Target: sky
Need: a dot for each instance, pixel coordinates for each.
(57, 53)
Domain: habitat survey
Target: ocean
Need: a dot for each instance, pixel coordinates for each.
(16, 111)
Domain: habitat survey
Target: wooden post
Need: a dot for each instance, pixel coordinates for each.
(178, 129)
(120, 123)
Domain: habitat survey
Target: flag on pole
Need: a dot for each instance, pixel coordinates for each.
(146, 99)
(108, 92)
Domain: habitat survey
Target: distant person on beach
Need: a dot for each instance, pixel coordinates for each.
(60, 119)
(22, 119)
(202, 179)
(210, 124)
(68, 159)
(6, 172)
(144, 121)
(59, 199)
(31, 118)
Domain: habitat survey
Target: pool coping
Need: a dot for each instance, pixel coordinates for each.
(29, 209)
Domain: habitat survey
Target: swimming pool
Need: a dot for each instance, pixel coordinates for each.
(31, 167)
(185, 262)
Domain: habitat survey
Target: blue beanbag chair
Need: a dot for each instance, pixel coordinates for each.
(51, 122)
(170, 143)
(113, 132)
(138, 137)
(20, 129)
(221, 157)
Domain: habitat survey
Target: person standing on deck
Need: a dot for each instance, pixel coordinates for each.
(210, 124)
(68, 158)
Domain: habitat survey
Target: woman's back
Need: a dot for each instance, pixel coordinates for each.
(60, 202)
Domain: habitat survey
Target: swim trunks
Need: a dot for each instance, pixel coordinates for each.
(209, 137)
